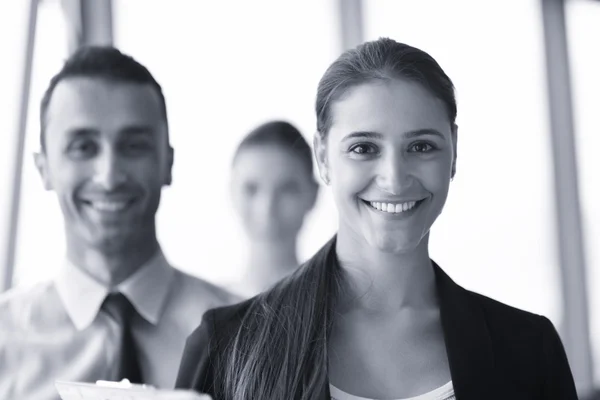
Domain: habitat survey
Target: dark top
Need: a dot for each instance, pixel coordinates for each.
(495, 351)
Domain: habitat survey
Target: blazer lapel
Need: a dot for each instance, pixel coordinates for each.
(468, 342)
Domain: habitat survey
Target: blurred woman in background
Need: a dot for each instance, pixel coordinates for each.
(371, 316)
(273, 189)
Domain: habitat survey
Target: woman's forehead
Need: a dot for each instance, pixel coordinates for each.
(381, 106)
(267, 161)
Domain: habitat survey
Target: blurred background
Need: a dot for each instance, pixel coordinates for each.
(521, 224)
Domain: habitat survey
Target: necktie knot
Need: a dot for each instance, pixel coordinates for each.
(118, 306)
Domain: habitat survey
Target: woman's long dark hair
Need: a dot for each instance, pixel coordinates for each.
(280, 350)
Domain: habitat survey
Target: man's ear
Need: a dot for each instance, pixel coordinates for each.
(320, 149)
(170, 161)
(454, 148)
(41, 164)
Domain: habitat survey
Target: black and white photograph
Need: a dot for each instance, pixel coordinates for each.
(307, 200)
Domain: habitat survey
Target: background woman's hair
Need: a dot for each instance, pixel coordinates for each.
(280, 351)
(282, 134)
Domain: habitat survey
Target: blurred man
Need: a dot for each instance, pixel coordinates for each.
(117, 309)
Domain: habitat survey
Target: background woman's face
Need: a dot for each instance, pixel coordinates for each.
(272, 192)
(389, 157)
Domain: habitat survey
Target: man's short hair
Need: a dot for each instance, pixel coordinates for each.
(103, 62)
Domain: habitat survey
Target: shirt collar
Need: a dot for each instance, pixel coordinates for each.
(146, 289)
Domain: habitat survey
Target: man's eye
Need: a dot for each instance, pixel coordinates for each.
(83, 148)
(138, 145)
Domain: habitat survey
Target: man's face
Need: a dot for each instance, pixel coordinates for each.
(107, 157)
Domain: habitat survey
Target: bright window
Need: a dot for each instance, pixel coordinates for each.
(13, 34)
(583, 18)
(40, 245)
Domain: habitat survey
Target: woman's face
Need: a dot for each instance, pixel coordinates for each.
(389, 157)
(272, 192)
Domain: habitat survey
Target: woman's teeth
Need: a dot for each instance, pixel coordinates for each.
(394, 208)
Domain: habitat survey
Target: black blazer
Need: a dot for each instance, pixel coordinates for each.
(495, 351)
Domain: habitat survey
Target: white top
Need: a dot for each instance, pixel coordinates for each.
(54, 330)
(445, 392)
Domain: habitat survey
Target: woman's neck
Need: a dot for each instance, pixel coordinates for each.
(382, 282)
(269, 262)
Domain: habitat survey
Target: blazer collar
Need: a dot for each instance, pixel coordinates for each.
(468, 342)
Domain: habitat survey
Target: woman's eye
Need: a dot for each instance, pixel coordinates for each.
(363, 149)
(422, 147)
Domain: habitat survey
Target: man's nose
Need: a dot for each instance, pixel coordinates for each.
(109, 173)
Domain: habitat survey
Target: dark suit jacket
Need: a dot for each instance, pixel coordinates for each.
(495, 351)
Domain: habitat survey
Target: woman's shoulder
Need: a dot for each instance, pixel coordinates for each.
(222, 321)
(502, 314)
(201, 360)
(516, 330)
(232, 314)
(530, 341)
(497, 314)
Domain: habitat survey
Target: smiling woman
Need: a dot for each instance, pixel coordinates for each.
(371, 316)
(392, 144)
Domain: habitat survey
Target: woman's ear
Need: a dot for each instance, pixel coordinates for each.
(320, 149)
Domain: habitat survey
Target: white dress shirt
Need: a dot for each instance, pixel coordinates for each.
(54, 330)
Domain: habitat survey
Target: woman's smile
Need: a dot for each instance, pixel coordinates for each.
(394, 209)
